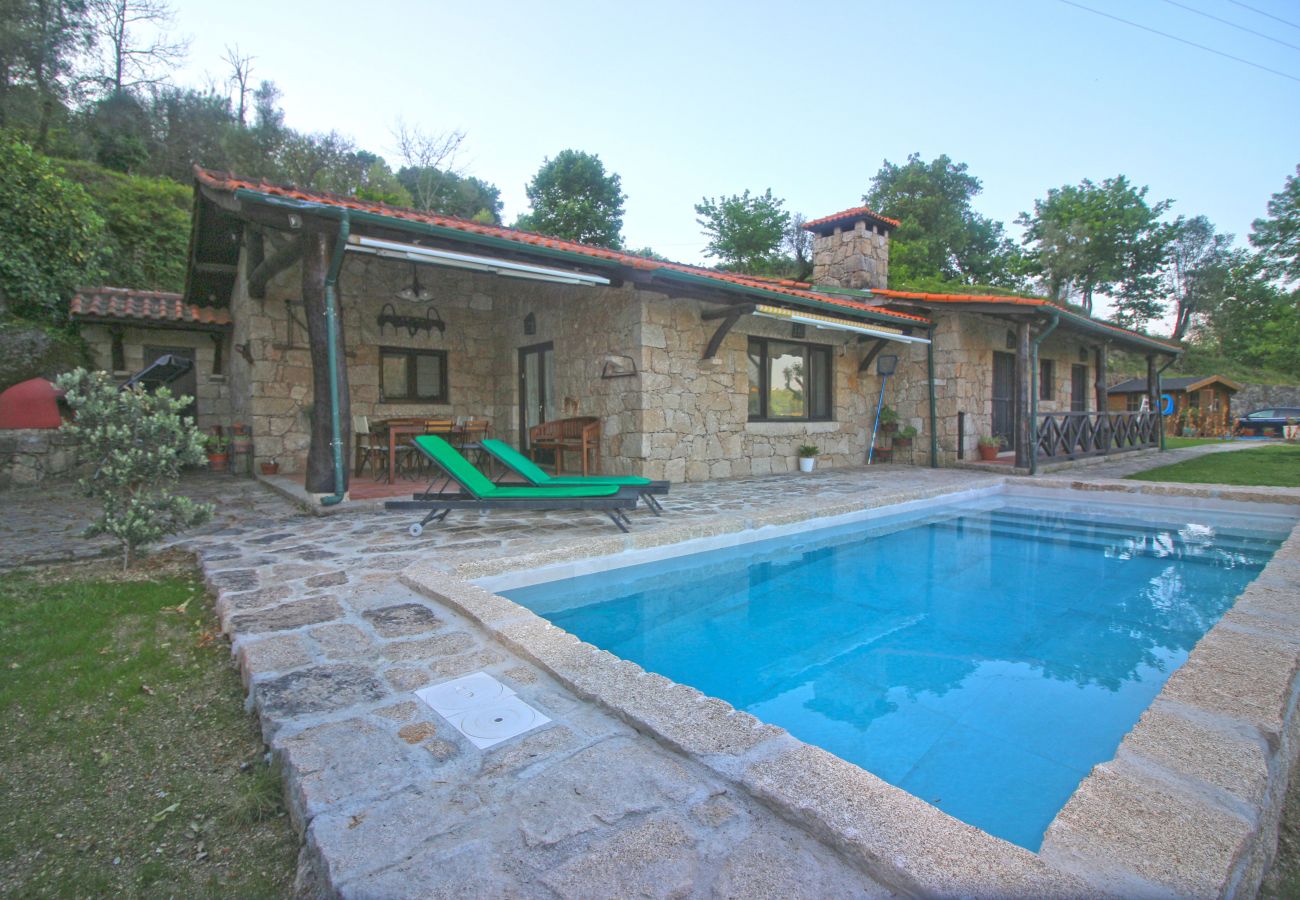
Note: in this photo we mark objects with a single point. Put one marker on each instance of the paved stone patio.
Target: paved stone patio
(393, 802)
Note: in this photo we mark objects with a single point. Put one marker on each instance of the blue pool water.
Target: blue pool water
(981, 656)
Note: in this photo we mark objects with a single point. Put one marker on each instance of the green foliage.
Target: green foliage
(808, 451)
(1255, 323)
(449, 194)
(147, 221)
(138, 443)
(51, 234)
(744, 232)
(940, 235)
(572, 198)
(1196, 277)
(1088, 238)
(1277, 466)
(37, 350)
(1278, 235)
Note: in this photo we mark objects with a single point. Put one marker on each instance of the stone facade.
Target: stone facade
(680, 417)
(964, 344)
(855, 256)
(212, 392)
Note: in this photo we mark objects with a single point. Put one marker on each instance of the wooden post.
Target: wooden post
(1103, 393)
(320, 458)
(1023, 429)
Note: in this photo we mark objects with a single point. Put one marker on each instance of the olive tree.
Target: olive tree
(137, 443)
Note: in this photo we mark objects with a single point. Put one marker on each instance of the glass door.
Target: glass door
(536, 388)
(1004, 398)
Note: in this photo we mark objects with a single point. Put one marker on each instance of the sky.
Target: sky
(686, 100)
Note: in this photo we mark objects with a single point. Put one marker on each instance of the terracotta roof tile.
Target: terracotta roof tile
(1011, 300)
(146, 306)
(847, 215)
(225, 182)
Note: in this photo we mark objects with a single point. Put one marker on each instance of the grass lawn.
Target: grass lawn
(130, 767)
(1178, 443)
(1277, 465)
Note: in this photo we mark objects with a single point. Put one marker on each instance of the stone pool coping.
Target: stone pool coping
(1189, 805)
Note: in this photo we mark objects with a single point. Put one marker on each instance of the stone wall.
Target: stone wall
(1259, 396)
(33, 455)
(964, 344)
(855, 257)
(212, 391)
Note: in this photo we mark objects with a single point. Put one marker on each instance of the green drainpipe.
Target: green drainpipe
(332, 345)
(934, 417)
(1159, 410)
(1033, 391)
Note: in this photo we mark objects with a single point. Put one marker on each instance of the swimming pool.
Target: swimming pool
(981, 655)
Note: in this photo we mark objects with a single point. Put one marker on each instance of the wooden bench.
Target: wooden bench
(580, 434)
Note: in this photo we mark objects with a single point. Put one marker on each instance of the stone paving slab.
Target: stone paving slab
(605, 801)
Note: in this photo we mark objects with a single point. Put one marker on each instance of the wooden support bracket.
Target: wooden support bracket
(729, 318)
(871, 355)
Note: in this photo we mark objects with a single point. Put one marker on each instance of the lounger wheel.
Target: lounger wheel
(416, 530)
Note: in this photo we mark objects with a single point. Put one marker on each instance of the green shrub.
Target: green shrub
(147, 225)
(138, 443)
(52, 235)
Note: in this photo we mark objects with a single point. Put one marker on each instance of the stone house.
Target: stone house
(126, 330)
(693, 373)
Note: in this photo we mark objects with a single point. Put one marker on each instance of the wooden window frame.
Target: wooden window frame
(764, 387)
(410, 354)
(1046, 379)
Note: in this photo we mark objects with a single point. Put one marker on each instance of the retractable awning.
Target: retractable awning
(832, 323)
(430, 256)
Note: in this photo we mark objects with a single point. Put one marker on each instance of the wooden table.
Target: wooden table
(397, 428)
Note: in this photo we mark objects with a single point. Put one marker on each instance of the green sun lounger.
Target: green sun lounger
(521, 465)
(478, 492)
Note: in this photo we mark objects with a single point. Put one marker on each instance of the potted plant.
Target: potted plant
(888, 420)
(270, 466)
(990, 445)
(218, 446)
(903, 438)
(808, 457)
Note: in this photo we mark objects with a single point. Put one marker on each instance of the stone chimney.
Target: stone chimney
(851, 249)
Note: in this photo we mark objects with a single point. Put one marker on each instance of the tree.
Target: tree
(939, 235)
(1196, 274)
(798, 244)
(744, 232)
(429, 159)
(573, 198)
(130, 60)
(1088, 238)
(241, 73)
(1278, 235)
(52, 235)
(452, 194)
(39, 43)
(137, 443)
(1253, 322)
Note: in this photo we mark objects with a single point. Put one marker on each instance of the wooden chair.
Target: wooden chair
(369, 447)
(580, 434)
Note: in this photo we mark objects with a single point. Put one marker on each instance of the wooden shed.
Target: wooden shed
(1202, 404)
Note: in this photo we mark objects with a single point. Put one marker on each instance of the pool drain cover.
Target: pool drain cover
(461, 694)
(491, 724)
(481, 708)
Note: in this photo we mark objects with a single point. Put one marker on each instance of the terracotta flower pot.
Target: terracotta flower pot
(989, 453)
(270, 468)
(218, 462)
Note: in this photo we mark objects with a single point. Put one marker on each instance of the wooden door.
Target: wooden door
(536, 388)
(1004, 398)
(1078, 388)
